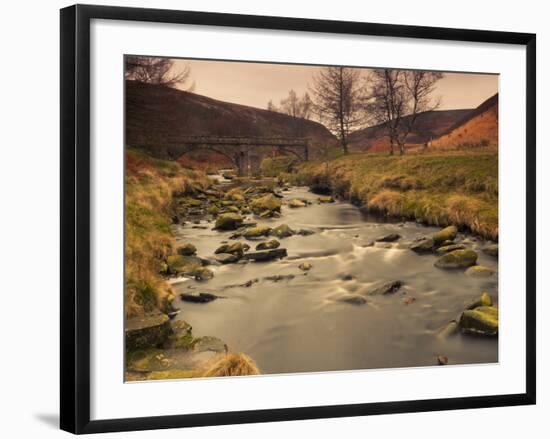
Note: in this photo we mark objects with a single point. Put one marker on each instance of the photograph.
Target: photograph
(297, 218)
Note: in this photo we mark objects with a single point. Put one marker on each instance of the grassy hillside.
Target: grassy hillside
(437, 188)
(479, 129)
(428, 125)
(154, 112)
(149, 185)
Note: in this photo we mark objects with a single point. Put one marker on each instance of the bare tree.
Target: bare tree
(159, 71)
(271, 106)
(397, 97)
(337, 98)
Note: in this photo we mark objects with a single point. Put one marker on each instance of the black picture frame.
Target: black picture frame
(75, 217)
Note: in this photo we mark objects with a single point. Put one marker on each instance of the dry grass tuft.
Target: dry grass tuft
(149, 186)
(232, 365)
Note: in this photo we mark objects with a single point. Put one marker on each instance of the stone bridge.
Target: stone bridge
(245, 153)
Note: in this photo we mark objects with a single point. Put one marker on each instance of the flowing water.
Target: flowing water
(297, 324)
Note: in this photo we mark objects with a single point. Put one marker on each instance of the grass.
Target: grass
(149, 186)
(440, 188)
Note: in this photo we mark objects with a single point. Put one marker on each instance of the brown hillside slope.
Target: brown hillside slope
(155, 112)
(478, 129)
(428, 125)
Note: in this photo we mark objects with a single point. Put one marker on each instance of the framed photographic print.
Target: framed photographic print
(284, 218)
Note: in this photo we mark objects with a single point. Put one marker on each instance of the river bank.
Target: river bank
(439, 189)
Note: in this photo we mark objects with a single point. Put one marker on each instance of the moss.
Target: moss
(172, 374)
(268, 203)
(457, 259)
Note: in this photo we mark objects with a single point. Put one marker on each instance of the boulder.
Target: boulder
(326, 199)
(305, 232)
(209, 343)
(482, 320)
(392, 237)
(457, 259)
(446, 234)
(387, 288)
(228, 221)
(268, 245)
(179, 264)
(182, 337)
(266, 255)
(424, 245)
(449, 248)
(213, 210)
(267, 203)
(282, 231)
(353, 299)
(203, 273)
(295, 203)
(148, 331)
(480, 271)
(234, 195)
(491, 250)
(186, 249)
(198, 298)
(227, 258)
(305, 266)
(484, 300)
(235, 248)
(256, 232)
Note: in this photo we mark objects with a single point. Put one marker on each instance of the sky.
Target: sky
(254, 84)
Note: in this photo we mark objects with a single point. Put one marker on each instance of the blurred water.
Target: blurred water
(298, 325)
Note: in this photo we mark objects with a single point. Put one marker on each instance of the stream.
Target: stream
(297, 324)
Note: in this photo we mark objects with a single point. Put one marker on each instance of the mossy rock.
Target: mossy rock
(446, 234)
(282, 231)
(256, 232)
(305, 266)
(268, 245)
(491, 250)
(449, 248)
(480, 271)
(268, 202)
(186, 249)
(295, 203)
(424, 245)
(146, 360)
(203, 273)
(191, 202)
(213, 210)
(179, 264)
(209, 344)
(236, 248)
(172, 374)
(326, 199)
(352, 299)
(227, 258)
(147, 331)
(457, 259)
(228, 221)
(180, 341)
(484, 300)
(235, 195)
(482, 320)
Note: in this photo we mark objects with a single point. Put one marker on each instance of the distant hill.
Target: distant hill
(155, 112)
(478, 128)
(428, 125)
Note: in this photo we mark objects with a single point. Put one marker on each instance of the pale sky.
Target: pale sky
(254, 84)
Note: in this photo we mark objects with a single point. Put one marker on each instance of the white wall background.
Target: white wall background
(29, 244)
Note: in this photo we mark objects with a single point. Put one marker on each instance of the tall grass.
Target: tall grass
(436, 188)
(149, 187)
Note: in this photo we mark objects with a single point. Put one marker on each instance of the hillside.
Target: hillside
(154, 112)
(428, 125)
(479, 128)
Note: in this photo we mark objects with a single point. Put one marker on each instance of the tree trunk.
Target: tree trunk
(402, 148)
